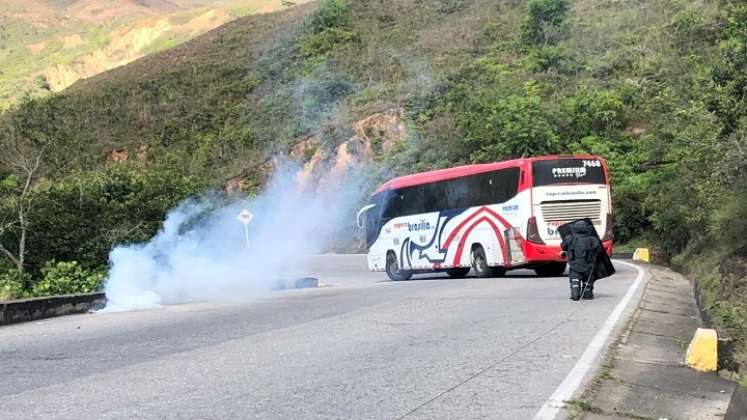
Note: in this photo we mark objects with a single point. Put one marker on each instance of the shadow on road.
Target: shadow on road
(443, 277)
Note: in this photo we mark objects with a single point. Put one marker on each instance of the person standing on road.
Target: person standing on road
(582, 248)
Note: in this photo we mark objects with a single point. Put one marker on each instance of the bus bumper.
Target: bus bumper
(551, 253)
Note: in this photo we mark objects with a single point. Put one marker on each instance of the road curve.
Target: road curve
(359, 348)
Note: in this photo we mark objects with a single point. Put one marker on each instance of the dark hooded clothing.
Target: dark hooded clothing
(582, 248)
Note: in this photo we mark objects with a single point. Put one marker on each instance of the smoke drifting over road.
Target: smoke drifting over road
(201, 251)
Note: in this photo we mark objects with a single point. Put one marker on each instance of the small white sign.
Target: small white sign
(245, 217)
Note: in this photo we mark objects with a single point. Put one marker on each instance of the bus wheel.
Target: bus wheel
(393, 271)
(458, 273)
(550, 269)
(480, 263)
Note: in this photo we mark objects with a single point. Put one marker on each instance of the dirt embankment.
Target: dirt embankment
(128, 44)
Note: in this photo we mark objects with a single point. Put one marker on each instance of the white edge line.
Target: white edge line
(568, 387)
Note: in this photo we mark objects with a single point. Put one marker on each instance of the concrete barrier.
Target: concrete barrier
(738, 405)
(642, 254)
(25, 310)
(702, 354)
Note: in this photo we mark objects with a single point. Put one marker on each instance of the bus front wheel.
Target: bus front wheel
(393, 270)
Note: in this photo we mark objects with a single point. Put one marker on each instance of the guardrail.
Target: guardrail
(622, 255)
(25, 310)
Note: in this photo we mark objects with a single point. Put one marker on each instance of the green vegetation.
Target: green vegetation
(657, 88)
(41, 38)
(13, 284)
(59, 278)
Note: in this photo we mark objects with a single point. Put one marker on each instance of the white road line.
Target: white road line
(568, 387)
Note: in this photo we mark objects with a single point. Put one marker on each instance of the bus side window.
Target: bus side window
(508, 180)
(434, 197)
(458, 193)
(405, 202)
(413, 202)
(394, 205)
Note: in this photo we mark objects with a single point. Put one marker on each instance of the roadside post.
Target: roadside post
(245, 217)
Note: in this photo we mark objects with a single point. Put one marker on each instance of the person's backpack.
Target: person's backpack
(583, 253)
(602, 265)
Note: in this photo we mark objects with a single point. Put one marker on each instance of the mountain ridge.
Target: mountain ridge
(45, 46)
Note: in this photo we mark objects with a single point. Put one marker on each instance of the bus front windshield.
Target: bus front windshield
(568, 171)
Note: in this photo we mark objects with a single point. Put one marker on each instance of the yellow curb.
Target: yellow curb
(642, 254)
(702, 354)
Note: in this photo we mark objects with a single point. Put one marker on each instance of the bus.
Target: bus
(489, 218)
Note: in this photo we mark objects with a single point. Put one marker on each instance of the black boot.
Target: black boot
(575, 289)
(588, 291)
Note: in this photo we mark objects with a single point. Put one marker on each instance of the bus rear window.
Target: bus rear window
(568, 171)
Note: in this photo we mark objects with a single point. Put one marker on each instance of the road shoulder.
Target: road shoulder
(643, 376)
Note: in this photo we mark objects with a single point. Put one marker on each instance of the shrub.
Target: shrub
(540, 59)
(63, 278)
(13, 284)
(319, 44)
(543, 23)
(330, 14)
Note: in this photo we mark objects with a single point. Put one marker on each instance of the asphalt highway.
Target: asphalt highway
(361, 347)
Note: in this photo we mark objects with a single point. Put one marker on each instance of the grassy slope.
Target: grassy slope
(248, 84)
(48, 28)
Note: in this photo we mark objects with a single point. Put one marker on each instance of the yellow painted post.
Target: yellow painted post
(702, 354)
(642, 254)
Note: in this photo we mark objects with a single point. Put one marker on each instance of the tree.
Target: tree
(21, 157)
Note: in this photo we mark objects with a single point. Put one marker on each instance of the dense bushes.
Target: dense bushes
(13, 284)
(79, 218)
(55, 278)
(60, 278)
(76, 221)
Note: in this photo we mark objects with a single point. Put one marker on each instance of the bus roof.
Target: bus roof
(466, 170)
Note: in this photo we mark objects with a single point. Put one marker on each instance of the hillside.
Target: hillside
(656, 87)
(45, 45)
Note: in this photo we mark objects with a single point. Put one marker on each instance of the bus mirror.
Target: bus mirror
(361, 212)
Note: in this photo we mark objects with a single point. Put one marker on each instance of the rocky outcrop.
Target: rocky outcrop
(117, 155)
(319, 164)
(382, 130)
(375, 134)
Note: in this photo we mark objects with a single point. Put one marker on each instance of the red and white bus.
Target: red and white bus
(488, 217)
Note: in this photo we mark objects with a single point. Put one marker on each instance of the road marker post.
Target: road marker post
(246, 217)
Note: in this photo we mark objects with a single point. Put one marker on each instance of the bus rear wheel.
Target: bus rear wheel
(458, 273)
(393, 270)
(480, 263)
(550, 269)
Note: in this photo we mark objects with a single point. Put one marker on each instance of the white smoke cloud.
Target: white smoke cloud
(201, 252)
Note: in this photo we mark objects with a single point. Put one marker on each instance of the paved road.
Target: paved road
(360, 348)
